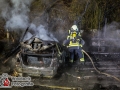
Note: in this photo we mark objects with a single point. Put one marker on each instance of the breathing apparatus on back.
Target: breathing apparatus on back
(73, 33)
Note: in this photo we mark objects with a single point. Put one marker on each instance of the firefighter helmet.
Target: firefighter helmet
(74, 28)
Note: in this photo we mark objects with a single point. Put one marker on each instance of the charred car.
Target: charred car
(41, 58)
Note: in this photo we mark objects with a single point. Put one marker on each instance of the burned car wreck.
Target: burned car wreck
(40, 58)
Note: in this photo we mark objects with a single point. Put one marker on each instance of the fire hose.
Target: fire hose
(109, 75)
(98, 70)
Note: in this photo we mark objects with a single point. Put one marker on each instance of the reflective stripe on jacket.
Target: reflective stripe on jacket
(74, 43)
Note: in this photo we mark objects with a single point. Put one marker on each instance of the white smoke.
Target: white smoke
(111, 30)
(16, 15)
(15, 12)
(16, 22)
(109, 37)
(27, 36)
(4, 9)
(40, 32)
(33, 27)
(44, 34)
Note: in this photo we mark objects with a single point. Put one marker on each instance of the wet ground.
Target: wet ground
(83, 77)
(86, 78)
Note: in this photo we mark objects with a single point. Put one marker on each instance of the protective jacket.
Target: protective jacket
(74, 43)
(74, 40)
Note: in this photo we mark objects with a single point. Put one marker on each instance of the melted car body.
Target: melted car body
(41, 58)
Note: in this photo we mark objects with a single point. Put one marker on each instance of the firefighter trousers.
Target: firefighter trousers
(78, 52)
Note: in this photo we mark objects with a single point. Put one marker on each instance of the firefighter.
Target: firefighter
(74, 44)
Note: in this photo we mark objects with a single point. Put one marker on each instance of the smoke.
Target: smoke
(4, 9)
(59, 28)
(109, 31)
(108, 38)
(16, 22)
(44, 34)
(112, 36)
(39, 32)
(60, 33)
(15, 13)
(27, 36)
(112, 30)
